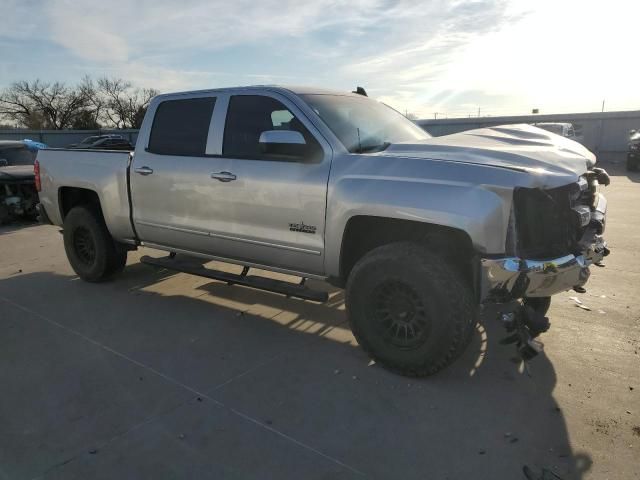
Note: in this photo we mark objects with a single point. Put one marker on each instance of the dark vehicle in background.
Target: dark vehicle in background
(88, 141)
(111, 144)
(633, 155)
(18, 194)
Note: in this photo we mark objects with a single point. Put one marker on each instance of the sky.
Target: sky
(429, 58)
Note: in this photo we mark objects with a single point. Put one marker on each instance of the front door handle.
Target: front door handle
(223, 176)
(143, 170)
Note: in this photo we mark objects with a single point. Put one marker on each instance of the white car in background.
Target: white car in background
(563, 129)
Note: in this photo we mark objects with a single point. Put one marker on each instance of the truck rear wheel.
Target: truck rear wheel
(409, 310)
(91, 250)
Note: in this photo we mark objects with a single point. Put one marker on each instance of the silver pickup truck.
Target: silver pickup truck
(420, 232)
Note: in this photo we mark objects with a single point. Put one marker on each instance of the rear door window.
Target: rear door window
(181, 127)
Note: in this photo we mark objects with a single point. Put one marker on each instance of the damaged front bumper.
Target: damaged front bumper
(507, 278)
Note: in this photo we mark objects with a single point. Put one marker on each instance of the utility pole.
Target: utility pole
(435, 116)
(478, 110)
(603, 106)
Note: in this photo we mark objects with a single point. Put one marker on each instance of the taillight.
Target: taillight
(36, 171)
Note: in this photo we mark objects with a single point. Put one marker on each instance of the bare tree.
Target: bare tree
(16, 106)
(109, 101)
(124, 106)
(40, 104)
(93, 112)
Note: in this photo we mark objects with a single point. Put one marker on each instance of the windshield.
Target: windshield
(362, 124)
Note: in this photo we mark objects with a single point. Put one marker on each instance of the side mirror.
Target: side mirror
(283, 142)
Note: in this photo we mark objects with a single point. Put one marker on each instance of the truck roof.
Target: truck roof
(564, 124)
(299, 90)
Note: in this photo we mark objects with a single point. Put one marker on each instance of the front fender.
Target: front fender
(479, 211)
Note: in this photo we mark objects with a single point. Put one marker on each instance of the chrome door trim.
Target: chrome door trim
(169, 227)
(216, 125)
(229, 237)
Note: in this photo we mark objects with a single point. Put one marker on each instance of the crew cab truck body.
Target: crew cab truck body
(420, 231)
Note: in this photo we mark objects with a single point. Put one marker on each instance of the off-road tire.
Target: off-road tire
(539, 304)
(438, 302)
(92, 252)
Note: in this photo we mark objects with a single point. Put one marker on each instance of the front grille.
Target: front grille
(545, 224)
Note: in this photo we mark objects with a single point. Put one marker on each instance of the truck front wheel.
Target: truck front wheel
(408, 309)
(91, 250)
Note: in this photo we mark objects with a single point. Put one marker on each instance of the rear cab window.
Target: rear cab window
(181, 127)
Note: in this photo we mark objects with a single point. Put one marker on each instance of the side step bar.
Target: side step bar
(253, 281)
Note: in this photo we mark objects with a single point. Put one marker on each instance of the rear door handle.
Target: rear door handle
(143, 170)
(223, 176)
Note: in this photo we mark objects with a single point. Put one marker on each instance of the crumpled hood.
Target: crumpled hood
(521, 147)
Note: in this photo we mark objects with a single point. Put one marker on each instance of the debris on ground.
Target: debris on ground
(545, 474)
(579, 303)
(337, 371)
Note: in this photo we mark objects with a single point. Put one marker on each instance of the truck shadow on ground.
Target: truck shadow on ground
(17, 225)
(291, 364)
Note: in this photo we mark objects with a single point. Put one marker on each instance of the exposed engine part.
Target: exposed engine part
(600, 175)
(523, 324)
(17, 200)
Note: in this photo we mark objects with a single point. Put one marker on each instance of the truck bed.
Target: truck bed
(104, 172)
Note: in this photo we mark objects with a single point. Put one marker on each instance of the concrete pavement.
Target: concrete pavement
(163, 375)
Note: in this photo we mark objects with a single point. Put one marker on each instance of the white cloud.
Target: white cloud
(86, 39)
(556, 56)
(504, 56)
